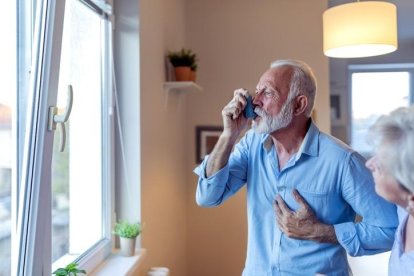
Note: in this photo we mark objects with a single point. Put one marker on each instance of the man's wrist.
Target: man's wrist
(325, 233)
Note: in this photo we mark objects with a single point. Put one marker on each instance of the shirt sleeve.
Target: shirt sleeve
(375, 233)
(213, 190)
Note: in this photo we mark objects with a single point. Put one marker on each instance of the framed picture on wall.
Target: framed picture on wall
(206, 139)
(337, 110)
(335, 107)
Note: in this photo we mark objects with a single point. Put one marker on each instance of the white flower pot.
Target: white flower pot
(127, 246)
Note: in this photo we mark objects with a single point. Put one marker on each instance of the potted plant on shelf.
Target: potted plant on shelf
(193, 70)
(70, 270)
(127, 233)
(182, 61)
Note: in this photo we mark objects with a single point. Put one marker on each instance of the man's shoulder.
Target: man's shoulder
(330, 143)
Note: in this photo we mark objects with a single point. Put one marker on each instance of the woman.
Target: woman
(393, 169)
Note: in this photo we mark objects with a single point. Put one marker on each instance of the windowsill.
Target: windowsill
(117, 264)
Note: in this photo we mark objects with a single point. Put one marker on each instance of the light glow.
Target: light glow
(360, 29)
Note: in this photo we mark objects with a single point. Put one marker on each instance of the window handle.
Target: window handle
(61, 119)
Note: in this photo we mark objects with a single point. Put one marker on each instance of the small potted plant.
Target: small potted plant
(193, 69)
(182, 61)
(70, 270)
(127, 233)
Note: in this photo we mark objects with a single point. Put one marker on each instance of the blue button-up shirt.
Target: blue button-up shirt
(334, 181)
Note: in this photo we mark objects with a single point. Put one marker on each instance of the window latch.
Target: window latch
(60, 119)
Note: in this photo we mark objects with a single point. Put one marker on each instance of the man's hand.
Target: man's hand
(234, 122)
(303, 223)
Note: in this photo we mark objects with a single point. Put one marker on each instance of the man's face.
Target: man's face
(272, 91)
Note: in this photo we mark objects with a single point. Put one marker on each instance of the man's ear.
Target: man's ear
(301, 104)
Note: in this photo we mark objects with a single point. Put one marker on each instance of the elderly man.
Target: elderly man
(304, 187)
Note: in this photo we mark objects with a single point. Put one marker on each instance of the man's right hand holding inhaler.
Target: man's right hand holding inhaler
(234, 123)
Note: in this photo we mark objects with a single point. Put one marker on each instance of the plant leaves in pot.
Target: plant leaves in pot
(127, 233)
(182, 61)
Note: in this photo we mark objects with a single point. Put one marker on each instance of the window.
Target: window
(9, 136)
(64, 211)
(79, 172)
(376, 90)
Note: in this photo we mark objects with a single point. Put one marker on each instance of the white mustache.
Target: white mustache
(260, 112)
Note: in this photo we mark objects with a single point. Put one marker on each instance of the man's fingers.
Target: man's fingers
(236, 106)
(277, 209)
(300, 200)
(233, 109)
(282, 205)
(241, 92)
(281, 226)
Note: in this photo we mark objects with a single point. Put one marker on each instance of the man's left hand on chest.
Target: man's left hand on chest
(302, 223)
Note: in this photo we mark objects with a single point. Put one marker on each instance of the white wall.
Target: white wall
(163, 152)
(153, 130)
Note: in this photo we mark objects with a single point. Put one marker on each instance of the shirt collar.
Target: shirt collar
(310, 143)
(267, 142)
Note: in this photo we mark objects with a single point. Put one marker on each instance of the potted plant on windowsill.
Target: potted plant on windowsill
(70, 270)
(183, 62)
(127, 233)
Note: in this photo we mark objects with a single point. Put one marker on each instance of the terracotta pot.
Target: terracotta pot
(193, 75)
(127, 246)
(182, 73)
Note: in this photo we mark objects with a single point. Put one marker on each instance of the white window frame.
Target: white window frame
(33, 245)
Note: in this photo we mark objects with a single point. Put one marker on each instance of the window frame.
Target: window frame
(376, 68)
(32, 253)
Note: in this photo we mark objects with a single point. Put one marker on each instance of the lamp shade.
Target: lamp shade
(360, 29)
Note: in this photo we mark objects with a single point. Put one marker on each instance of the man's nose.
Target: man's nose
(256, 99)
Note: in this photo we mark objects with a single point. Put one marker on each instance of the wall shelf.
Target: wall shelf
(182, 87)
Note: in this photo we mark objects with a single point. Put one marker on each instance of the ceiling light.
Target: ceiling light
(360, 29)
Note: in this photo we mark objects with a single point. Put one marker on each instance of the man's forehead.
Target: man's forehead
(274, 75)
(266, 83)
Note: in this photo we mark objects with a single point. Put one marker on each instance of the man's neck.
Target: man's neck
(288, 140)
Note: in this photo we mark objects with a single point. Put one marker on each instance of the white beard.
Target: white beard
(269, 124)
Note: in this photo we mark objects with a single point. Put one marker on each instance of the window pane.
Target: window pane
(8, 69)
(375, 94)
(6, 167)
(77, 172)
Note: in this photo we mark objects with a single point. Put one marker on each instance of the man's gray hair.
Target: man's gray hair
(303, 81)
(393, 136)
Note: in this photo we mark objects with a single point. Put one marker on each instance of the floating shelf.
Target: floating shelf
(182, 87)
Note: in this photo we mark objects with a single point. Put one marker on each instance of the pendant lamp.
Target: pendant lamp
(360, 29)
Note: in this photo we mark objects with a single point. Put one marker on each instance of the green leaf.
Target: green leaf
(127, 230)
(60, 272)
(70, 269)
(185, 57)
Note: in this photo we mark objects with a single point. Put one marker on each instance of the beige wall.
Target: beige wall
(164, 190)
(236, 40)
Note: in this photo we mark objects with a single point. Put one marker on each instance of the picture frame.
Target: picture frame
(335, 107)
(338, 112)
(206, 139)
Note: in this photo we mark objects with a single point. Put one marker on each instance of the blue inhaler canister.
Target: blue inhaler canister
(249, 110)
